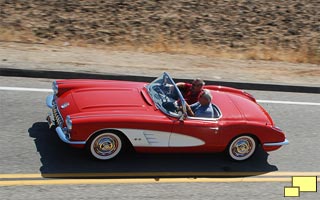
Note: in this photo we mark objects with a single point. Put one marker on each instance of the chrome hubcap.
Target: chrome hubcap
(106, 145)
(242, 147)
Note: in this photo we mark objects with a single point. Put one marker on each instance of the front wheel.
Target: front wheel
(242, 148)
(105, 146)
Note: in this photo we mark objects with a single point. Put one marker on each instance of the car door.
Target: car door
(196, 134)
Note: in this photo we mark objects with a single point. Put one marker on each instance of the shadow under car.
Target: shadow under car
(60, 160)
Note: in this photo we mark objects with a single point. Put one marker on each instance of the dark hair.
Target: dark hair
(200, 81)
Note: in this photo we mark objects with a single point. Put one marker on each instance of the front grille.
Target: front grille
(56, 114)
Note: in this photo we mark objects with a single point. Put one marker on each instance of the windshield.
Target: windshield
(166, 95)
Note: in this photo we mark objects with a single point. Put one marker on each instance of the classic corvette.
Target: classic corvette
(107, 117)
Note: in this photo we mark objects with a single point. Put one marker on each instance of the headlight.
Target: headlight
(68, 123)
(55, 87)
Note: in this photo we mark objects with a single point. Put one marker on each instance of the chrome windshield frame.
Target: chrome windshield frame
(165, 75)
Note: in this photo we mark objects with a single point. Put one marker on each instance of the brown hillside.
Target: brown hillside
(248, 29)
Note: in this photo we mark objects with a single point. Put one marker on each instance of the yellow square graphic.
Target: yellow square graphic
(306, 183)
(291, 191)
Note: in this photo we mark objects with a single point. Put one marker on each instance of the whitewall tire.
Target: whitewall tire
(242, 148)
(105, 145)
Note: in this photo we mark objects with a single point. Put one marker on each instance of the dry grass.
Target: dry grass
(302, 55)
(9, 35)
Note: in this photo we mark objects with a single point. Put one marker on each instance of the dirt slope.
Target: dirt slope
(247, 29)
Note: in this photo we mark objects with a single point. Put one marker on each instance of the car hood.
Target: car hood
(108, 99)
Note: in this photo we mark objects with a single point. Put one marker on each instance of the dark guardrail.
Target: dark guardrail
(81, 75)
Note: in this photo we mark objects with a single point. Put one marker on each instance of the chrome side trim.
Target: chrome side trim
(49, 101)
(285, 142)
(64, 138)
(204, 118)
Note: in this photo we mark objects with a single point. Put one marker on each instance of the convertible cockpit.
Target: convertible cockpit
(168, 98)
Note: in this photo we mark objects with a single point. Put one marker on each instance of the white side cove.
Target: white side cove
(179, 140)
(149, 138)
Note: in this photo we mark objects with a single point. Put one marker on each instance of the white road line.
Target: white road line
(25, 89)
(259, 101)
(289, 102)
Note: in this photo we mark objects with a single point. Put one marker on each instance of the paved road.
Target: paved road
(30, 152)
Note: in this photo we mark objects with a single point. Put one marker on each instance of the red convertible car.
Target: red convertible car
(106, 117)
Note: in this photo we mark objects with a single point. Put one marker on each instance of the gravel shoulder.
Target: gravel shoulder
(108, 61)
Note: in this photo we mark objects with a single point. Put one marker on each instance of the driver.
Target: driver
(191, 92)
(202, 108)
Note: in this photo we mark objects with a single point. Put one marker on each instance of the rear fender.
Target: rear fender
(231, 90)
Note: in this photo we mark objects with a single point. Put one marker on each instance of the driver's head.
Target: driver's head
(205, 98)
(197, 85)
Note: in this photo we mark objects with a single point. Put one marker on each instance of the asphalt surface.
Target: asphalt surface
(29, 147)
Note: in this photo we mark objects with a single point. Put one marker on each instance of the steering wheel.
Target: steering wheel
(161, 94)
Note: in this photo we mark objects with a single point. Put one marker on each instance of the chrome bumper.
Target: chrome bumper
(64, 138)
(49, 101)
(50, 118)
(285, 142)
(51, 121)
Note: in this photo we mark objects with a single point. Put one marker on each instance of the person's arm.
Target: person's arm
(189, 110)
(180, 84)
(184, 87)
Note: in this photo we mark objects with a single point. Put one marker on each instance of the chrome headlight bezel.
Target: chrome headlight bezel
(55, 87)
(69, 123)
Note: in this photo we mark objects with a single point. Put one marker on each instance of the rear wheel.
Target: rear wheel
(105, 145)
(242, 148)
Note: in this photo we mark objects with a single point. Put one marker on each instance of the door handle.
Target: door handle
(215, 129)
